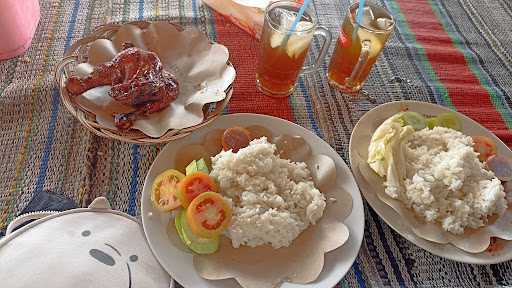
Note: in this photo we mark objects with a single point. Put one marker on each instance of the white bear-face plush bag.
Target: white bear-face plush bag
(86, 247)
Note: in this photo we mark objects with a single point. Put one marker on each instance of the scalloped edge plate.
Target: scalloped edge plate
(362, 133)
(179, 263)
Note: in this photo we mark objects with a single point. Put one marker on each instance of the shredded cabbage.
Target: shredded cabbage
(386, 153)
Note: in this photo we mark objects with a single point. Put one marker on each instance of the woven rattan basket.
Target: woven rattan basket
(78, 54)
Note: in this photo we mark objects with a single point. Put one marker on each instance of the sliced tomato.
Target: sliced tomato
(164, 190)
(484, 146)
(193, 185)
(209, 215)
(235, 138)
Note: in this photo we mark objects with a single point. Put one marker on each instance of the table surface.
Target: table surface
(455, 53)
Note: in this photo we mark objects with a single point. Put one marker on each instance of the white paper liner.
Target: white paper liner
(200, 67)
(303, 260)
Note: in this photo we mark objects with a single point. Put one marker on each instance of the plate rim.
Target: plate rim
(357, 199)
(452, 257)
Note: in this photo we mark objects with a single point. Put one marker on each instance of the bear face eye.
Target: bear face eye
(134, 258)
(86, 233)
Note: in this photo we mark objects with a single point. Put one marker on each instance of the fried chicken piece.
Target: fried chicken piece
(135, 93)
(130, 64)
(138, 80)
(148, 97)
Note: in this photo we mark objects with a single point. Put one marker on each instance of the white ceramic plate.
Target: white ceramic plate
(179, 263)
(358, 151)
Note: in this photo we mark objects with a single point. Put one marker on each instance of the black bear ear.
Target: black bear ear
(86, 233)
(134, 258)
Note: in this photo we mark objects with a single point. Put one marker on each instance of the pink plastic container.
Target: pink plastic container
(18, 22)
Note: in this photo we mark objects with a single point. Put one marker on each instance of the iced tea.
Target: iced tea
(282, 51)
(356, 52)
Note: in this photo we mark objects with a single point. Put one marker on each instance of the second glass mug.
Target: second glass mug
(282, 51)
(356, 51)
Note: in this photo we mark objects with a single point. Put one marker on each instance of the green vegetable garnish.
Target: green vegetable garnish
(201, 166)
(416, 120)
(432, 122)
(388, 137)
(195, 243)
(449, 120)
(197, 166)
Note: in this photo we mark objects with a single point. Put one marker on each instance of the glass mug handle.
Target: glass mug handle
(327, 37)
(361, 63)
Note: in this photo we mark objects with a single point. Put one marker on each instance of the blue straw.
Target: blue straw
(359, 17)
(296, 21)
(299, 16)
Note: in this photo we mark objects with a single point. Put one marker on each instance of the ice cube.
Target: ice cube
(382, 23)
(276, 39)
(300, 41)
(367, 16)
(375, 44)
(303, 25)
(284, 17)
(297, 41)
(296, 45)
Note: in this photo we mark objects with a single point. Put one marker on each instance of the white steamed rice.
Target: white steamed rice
(273, 199)
(446, 182)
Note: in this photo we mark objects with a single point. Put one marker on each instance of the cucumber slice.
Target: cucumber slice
(179, 228)
(432, 122)
(191, 168)
(449, 120)
(197, 166)
(416, 120)
(197, 244)
(201, 166)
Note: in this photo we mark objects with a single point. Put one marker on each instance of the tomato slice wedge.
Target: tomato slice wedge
(484, 146)
(209, 215)
(193, 185)
(235, 138)
(164, 190)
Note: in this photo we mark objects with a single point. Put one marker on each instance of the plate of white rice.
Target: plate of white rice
(278, 174)
(439, 164)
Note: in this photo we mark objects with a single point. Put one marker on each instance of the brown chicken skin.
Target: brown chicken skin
(137, 79)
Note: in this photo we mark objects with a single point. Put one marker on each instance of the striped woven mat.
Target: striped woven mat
(455, 53)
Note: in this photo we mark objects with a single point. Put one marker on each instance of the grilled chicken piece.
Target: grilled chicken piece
(137, 79)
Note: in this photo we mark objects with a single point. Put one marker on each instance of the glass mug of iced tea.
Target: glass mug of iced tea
(282, 51)
(356, 51)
